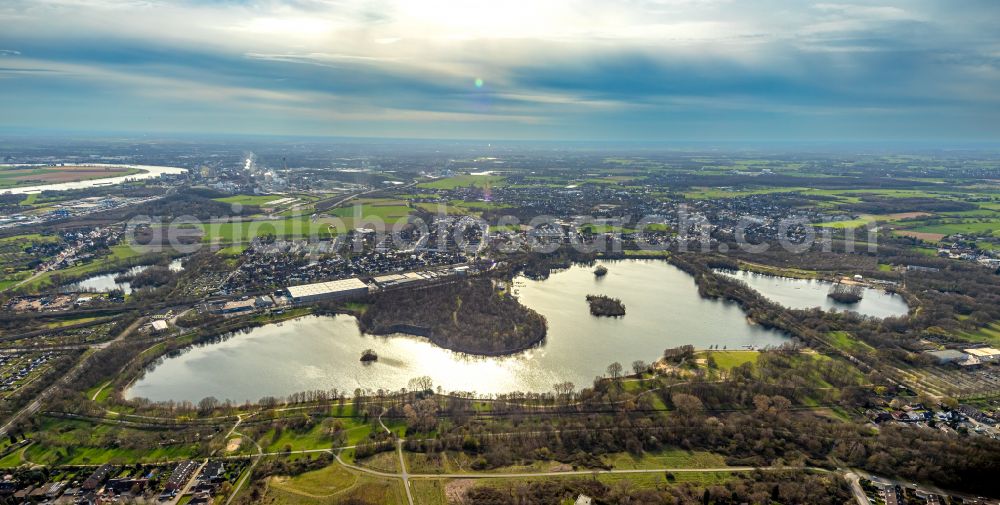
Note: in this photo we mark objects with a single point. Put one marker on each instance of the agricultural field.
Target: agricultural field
(980, 227)
(14, 176)
(870, 219)
(462, 181)
(712, 193)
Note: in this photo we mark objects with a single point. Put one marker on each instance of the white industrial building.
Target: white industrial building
(331, 290)
(984, 354)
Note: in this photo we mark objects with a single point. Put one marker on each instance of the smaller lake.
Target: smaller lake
(106, 282)
(810, 293)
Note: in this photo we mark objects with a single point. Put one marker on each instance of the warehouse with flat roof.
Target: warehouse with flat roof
(331, 290)
(984, 353)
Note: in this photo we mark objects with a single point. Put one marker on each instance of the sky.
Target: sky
(646, 70)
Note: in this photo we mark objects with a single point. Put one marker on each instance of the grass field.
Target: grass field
(318, 483)
(249, 199)
(976, 227)
(70, 442)
(989, 334)
(245, 231)
(438, 208)
(727, 360)
(635, 481)
(334, 485)
(388, 210)
(430, 492)
(669, 458)
(844, 340)
(461, 181)
(314, 438)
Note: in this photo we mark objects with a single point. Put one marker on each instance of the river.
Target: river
(149, 172)
(663, 310)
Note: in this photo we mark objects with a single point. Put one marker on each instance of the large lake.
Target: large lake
(809, 293)
(148, 172)
(663, 310)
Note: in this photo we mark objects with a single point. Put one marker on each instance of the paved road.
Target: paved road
(243, 480)
(190, 483)
(497, 475)
(859, 494)
(402, 461)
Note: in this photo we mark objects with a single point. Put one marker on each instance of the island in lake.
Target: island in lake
(601, 271)
(846, 293)
(601, 305)
(469, 316)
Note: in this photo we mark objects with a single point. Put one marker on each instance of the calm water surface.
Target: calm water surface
(664, 310)
(149, 172)
(809, 293)
(106, 282)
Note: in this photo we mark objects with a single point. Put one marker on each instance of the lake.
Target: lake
(149, 172)
(106, 282)
(809, 293)
(663, 310)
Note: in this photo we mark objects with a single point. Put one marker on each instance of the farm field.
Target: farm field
(460, 181)
(867, 219)
(987, 227)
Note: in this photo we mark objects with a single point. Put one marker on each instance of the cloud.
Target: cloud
(562, 67)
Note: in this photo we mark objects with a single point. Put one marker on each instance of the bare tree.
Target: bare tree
(615, 370)
(422, 383)
(639, 366)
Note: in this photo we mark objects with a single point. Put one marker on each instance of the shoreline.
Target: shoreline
(146, 172)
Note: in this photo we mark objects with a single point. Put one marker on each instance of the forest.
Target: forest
(467, 316)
